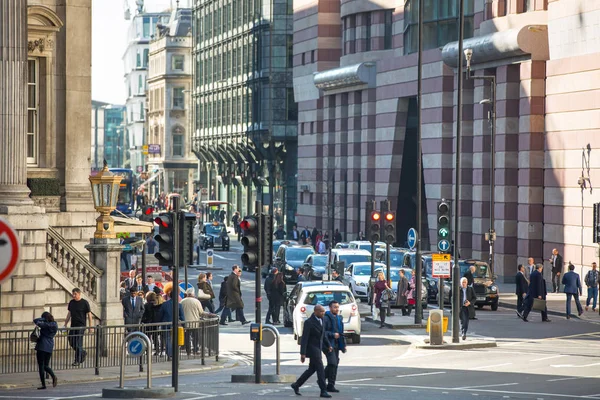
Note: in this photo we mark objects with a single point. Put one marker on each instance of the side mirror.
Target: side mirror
(347, 273)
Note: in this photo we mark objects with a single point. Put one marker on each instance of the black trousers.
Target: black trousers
(208, 304)
(275, 310)
(382, 314)
(333, 360)
(464, 319)
(43, 359)
(315, 365)
(76, 342)
(555, 282)
(520, 303)
(528, 304)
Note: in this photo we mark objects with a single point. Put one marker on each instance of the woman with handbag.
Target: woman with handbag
(379, 288)
(410, 295)
(205, 293)
(45, 345)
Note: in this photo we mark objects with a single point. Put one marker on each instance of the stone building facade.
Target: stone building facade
(355, 79)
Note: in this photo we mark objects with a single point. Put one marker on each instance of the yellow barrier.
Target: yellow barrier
(180, 336)
(444, 325)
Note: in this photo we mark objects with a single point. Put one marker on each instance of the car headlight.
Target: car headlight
(289, 267)
(361, 284)
(493, 289)
(226, 238)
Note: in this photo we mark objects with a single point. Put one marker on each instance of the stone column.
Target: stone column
(106, 255)
(13, 104)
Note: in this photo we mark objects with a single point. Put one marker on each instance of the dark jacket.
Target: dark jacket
(331, 324)
(132, 315)
(313, 338)
(572, 282)
(151, 313)
(557, 266)
(223, 292)
(206, 288)
(234, 292)
(47, 332)
(269, 285)
(166, 311)
(277, 293)
(470, 296)
(536, 285)
(469, 276)
(521, 284)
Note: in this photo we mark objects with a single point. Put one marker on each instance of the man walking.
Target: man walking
(572, 289)
(592, 278)
(312, 343)
(529, 268)
(557, 266)
(521, 288)
(467, 301)
(536, 289)
(133, 309)
(334, 330)
(234, 297)
(470, 281)
(79, 309)
(268, 287)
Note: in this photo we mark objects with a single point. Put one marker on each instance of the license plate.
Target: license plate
(480, 298)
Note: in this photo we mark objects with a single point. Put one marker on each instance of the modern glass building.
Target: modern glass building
(245, 116)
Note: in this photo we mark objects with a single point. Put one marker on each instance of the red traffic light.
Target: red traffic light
(389, 216)
(163, 220)
(248, 224)
(149, 211)
(375, 216)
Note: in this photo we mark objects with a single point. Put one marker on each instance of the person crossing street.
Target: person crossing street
(334, 330)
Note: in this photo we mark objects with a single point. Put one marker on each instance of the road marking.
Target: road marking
(574, 366)
(356, 380)
(209, 396)
(423, 374)
(74, 397)
(484, 386)
(489, 366)
(548, 358)
(566, 379)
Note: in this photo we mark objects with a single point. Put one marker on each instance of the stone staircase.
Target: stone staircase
(70, 269)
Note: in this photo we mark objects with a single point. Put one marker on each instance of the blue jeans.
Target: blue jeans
(592, 293)
(577, 303)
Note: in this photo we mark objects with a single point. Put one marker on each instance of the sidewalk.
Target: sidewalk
(396, 321)
(73, 376)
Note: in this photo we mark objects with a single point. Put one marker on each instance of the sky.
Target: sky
(109, 39)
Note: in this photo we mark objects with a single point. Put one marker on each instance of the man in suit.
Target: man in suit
(572, 289)
(521, 288)
(592, 278)
(529, 268)
(470, 281)
(130, 282)
(467, 301)
(133, 309)
(234, 297)
(537, 289)
(312, 343)
(334, 331)
(305, 235)
(557, 267)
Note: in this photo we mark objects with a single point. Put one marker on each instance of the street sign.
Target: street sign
(136, 346)
(9, 250)
(443, 232)
(444, 245)
(184, 288)
(411, 238)
(440, 265)
(209, 257)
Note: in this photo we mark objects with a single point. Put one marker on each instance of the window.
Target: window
(290, 51)
(303, 58)
(145, 58)
(178, 98)
(368, 30)
(313, 56)
(440, 23)
(387, 32)
(178, 146)
(146, 27)
(292, 106)
(177, 62)
(32, 110)
(138, 59)
(140, 84)
(141, 111)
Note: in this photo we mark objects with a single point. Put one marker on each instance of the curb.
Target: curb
(456, 346)
(138, 375)
(550, 312)
(397, 326)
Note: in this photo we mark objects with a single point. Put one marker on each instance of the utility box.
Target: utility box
(435, 325)
(255, 332)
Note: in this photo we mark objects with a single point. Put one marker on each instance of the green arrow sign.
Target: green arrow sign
(443, 232)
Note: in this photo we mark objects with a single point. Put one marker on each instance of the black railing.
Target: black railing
(102, 346)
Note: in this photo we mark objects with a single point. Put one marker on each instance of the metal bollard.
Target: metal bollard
(277, 347)
(148, 358)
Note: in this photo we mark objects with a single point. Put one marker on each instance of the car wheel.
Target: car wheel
(355, 339)
(479, 306)
(288, 324)
(494, 306)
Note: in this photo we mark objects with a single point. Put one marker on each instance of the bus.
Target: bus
(126, 199)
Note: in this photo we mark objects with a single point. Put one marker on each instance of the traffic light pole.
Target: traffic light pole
(418, 261)
(144, 258)
(257, 295)
(175, 298)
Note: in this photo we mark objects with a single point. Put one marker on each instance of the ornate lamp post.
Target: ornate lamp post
(105, 189)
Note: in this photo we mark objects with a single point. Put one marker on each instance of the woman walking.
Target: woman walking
(45, 346)
(207, 291)
(383, 304)
(410, 295)
(277, 296)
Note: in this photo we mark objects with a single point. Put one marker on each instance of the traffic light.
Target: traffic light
(390, 227)
(443, 226)
(596, 227)
(165, 239)
(267, 239)
(186, 238)
(147, 214)
(375, 227)
(250, 234)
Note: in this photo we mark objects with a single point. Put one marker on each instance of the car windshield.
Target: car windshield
(481, 270)
(297, 254)
(362, 270)
(366, 246)
(320, 261)
(427, 264)
(395, 273)
(396, 259)
(325, 297)
(352, 258)
(214, 229)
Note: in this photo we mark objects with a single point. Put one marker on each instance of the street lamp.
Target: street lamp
(105, 189)
(490, 235)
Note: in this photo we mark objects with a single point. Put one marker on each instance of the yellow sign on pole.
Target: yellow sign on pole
(440, 257)
(145, 149)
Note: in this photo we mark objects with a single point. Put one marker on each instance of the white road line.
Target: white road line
(549, 358)
(356, 380)
(489, 366)
(484, 386)
(75, 397)
(574, 366)
(209, 396)
(423, 374)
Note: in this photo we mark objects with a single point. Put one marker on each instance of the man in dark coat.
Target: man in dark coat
(305, 235)
(557, 267)
(521, 288)
(312, 342)
(572, 284)
(334, 331)
(337, 237)
(467, 301)
(234, 297)
(313, 237)
(133, 309)
(537, 289)
(268, 288)
(470, 281)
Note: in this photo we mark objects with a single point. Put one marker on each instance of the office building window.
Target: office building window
(141, 111)
(177, 61)
(32, 110)
(140, 84)
(138, 59)
(440, 23)
(178, 98)
(178, 145)
(146, 27)
(368, 31)
(292, 106)
(290, 51)
(387, 29)
(145, 58)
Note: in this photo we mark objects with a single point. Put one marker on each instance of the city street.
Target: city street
(535, 360)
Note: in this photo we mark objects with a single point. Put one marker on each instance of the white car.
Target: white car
(349, 256)
(364, 245)
(358, 275)
(303, 298)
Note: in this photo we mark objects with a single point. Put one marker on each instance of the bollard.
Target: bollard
(148, 358)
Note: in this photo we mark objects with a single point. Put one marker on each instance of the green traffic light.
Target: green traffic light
(443, 232)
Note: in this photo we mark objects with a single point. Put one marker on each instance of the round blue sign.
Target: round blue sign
(184, 288)
(444, 245)
(136, 346)
(411, 238)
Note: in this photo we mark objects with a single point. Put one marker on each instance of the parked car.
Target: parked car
(289, 258)
(342, 245)
(212, 235)
(301, 301)
(364, 245)
(315, 267)
(484, 283)
(358, 275)
(347, 257)
(276, 244)
(396, 255)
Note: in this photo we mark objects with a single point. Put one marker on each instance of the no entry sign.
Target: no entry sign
(9, 250)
